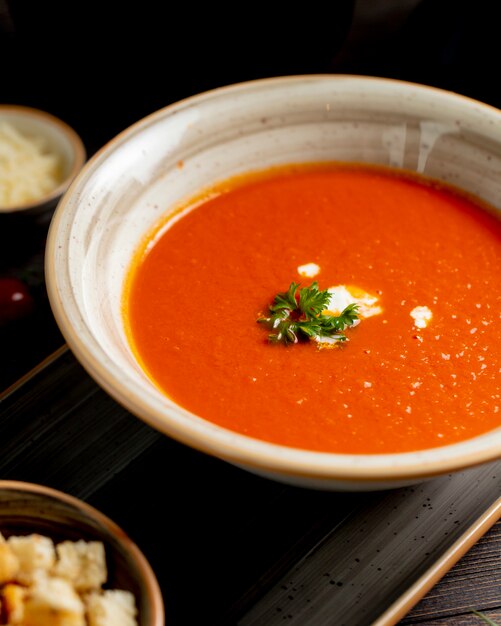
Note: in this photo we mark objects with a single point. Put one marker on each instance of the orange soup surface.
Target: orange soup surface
(402, 382)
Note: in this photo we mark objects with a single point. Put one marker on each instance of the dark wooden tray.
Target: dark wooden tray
(229, 547)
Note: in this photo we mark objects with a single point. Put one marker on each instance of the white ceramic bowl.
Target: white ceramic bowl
(59, 139)
(122, 192)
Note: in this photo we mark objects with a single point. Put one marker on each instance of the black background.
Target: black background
(102, 65)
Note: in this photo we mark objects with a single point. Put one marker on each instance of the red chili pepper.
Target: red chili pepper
(15, 300)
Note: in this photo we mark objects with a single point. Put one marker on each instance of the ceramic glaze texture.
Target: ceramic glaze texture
(146, 173)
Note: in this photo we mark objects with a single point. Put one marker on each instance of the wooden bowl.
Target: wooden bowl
(27, 508)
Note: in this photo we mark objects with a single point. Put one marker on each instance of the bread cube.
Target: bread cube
(35, 554)
(13, 603)
(9, 564)
(111, 608)
(83, 563)
(53, 602)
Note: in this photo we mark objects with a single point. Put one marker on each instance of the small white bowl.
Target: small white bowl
(59, 138)
(122, 192)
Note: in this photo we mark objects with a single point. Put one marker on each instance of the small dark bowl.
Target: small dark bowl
(26, 508)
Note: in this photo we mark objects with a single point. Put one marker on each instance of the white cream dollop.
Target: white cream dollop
(342, 296)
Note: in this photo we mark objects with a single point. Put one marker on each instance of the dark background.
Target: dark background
(102, 65)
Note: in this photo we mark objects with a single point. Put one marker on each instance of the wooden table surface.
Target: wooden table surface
(475, 581)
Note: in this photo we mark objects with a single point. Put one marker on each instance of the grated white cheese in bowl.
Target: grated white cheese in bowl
(28, 170)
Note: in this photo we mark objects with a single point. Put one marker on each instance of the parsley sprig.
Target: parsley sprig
(294, 316)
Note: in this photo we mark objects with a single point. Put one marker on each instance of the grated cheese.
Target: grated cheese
(28, 171)
(421, 316)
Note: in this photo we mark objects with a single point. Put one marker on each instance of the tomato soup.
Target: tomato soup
(420, 372)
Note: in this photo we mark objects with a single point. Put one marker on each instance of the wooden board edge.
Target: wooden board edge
(33, 372)
(394, 613)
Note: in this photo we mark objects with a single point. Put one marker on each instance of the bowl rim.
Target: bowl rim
(77, 146)
(154, 595)
(239, 449)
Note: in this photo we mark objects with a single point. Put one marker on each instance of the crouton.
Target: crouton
(53, 602)
(13, 603)
(35, 553)
(38, 589)
(9, 564)
(111, 608)
(83, 563)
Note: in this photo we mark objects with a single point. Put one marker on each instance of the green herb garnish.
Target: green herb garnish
(300, 316)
